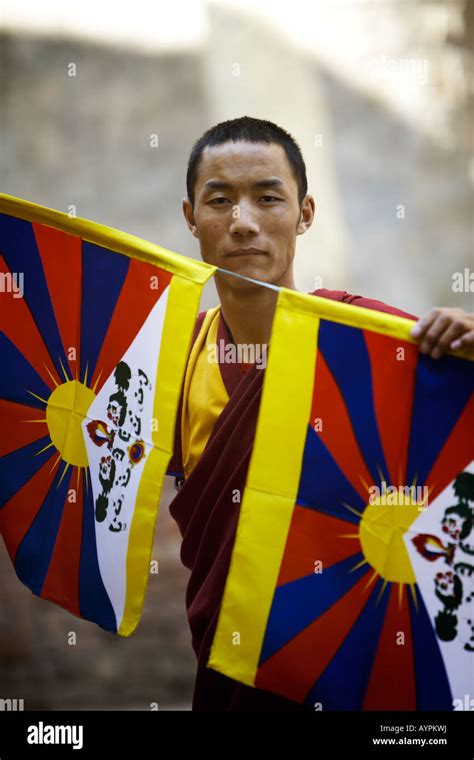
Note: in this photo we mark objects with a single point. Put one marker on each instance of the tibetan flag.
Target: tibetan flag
(351, 584)
(95, 327)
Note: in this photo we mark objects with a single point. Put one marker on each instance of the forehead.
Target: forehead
(244, 162)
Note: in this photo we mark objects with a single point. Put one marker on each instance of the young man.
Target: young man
(247, 203)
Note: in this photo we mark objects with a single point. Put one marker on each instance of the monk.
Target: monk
(247, 201)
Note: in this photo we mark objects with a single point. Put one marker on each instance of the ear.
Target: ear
(307, 213)
(189, 216)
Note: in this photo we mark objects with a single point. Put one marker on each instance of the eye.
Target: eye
(270, 198)
(221, 198)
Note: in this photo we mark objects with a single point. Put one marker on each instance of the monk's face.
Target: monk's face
(246, 212)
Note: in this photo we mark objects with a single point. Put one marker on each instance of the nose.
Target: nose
(244, 220)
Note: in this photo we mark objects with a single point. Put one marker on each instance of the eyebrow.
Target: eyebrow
(216, 184)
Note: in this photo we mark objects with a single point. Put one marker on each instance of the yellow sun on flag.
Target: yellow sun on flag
(66, 409)
(383, 524)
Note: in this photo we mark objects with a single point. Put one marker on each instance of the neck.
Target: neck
(248, 311)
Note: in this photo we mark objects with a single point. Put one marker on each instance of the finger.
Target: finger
(465, 341)
(418, 330)
(434, 332)
(444, 340)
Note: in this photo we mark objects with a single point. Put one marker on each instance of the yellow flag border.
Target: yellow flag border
(180, 319)
(272, 481)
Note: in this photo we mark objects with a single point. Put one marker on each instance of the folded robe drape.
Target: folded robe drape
(206, 510)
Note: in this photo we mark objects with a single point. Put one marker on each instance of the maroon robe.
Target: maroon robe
(207, 519)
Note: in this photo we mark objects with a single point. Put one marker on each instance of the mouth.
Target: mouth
(237, 252)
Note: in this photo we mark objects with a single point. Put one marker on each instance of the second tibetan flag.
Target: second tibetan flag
(351, 578)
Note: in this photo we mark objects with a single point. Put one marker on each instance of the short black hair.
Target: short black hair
(251, 130)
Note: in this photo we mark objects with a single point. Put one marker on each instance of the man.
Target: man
(247, 202)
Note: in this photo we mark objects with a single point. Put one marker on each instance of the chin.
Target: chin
(236, 283)
(250, 269)
(257, 273)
